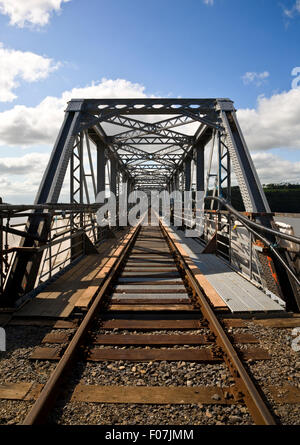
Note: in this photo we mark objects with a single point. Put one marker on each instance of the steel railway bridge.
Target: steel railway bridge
(144, 145)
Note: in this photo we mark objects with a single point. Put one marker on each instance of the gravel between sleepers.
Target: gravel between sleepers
(16, 367)
(283, 368)
(121, 414)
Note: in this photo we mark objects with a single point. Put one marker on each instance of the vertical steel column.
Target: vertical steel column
(81, 168)
(123, 199)
(129, 187)
(113, 182)
(188, 207)
(72, 195)
(228, 177)
(118, 182)
(200, 167)
(113, 176)
(81, 174)
(172, 184)
(220, 193)
(176, 180)
(101, 171)
(251, 190)
(77, 194)
(224, 173)
(187, 175)
(199, 170)
(101, 163)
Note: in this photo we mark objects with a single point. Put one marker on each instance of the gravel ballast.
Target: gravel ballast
(282, 369)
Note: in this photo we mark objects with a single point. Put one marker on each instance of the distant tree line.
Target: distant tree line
(281, 197)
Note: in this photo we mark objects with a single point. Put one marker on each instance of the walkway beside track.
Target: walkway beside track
(239, 294)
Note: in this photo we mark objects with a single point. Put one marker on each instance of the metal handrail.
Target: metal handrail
(247, 223)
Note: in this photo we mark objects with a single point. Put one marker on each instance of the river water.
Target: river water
(292, 221)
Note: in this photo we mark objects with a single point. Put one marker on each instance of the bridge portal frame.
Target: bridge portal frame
(170, 157)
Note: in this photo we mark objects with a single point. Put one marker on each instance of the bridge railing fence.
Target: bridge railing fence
(233, 242)
(70, 236)
(243, 241)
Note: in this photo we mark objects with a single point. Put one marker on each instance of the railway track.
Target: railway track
(150, 309)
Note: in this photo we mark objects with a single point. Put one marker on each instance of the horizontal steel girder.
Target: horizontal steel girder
(151, 140)
(140, 128)
(142, 105)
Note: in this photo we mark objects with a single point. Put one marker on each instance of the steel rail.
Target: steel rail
(246, 388)
(39, 411)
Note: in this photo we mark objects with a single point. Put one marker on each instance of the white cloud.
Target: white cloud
(24, 126)
(209, 2)
(27, 66)
(30, 12)
(274, 123)
(293, 11)
(20, 177)
(272, 168)
(256, 78)
(29, 163)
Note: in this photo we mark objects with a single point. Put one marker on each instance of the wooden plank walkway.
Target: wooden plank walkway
(222, 285)
(76, 287)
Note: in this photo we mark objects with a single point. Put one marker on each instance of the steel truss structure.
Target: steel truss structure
(145, 143)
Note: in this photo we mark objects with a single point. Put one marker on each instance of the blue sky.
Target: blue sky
(241, 49)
